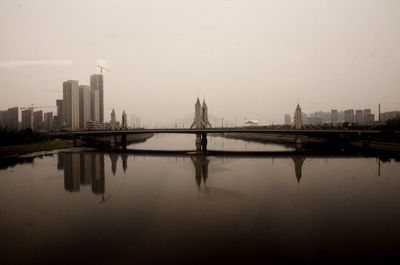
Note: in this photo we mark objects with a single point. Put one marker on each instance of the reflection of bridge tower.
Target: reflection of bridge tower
(201, 165)
(114, 160)
(298, 166)
(124, 157)
(200, 122)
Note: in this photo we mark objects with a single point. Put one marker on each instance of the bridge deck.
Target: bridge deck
(216, 130)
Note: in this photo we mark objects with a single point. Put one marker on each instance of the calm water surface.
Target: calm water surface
(112, 208)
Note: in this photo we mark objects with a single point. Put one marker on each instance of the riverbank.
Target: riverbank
(48, 145)
(20, 149)
(285, 139)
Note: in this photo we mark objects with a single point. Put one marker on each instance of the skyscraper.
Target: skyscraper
(58, 119)
(84, 105)
(27, 118)
(359, 117)
(71, 104)
(2, 119)
(38, 120)
(12, 118)
(96, 98)
(349, 115)
(48, 121)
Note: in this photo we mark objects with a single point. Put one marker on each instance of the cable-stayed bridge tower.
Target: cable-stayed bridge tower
(201, 122)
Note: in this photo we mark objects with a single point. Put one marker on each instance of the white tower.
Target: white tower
(197, 115)
(113, 122)
(200, 115)
(204, 116)
(298, 121)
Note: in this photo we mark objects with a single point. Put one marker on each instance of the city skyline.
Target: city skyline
(257, 61)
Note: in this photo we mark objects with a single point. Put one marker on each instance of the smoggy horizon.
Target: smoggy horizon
(248, 59)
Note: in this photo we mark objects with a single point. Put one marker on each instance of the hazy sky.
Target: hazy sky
(248, 58)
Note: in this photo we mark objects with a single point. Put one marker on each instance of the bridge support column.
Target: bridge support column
(299, 142)
(123, 141)
(75, 142)
(114, 142)
(204, 142)
(198, 142)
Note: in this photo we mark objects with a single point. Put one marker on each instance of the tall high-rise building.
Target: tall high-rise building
(359, 117)
(349, 115)
(58, 119)
(48, 121)
(38, 120)
(84, 105)
(2, 119)
(12, 118)
(71, 104)
(27, 118)
(367, 116)
(97, 98)
(334, 115)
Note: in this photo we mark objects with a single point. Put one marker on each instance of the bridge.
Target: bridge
(201, 126)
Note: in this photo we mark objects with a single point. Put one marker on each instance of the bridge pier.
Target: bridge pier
(123, 141)
(299, 142)
(204, 142)
(198, 142)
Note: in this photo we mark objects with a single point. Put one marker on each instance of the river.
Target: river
(91, 207)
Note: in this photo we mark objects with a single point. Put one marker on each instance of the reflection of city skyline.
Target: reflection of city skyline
(87, 168)
(83, 169)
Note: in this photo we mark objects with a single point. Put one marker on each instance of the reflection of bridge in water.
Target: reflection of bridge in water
(88, 168)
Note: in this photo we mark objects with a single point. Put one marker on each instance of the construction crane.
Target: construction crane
(54, 91)
(102, 68)
(37, 107)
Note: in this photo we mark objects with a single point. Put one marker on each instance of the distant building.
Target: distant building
(38, 120)
(71, 104)
(2, 119)
(288, 118)
(124, 121)
(113, 121)
(314, 120)
(84, 105)
(11, 118)
(59, 118)
(27, 118)
(334, 116)
(251, 123)
(367, 113)
(349, 115)
(48, 121)
(385, 116)
(96, 98)
(94, 125)
(359, 117)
